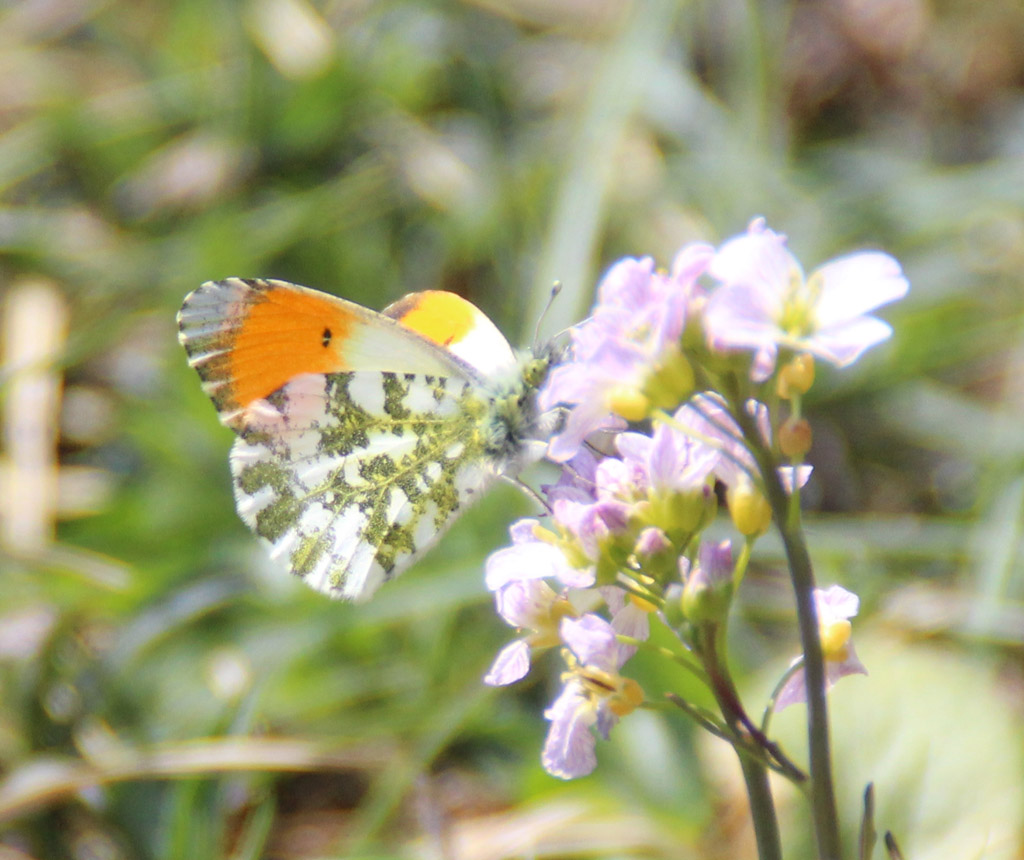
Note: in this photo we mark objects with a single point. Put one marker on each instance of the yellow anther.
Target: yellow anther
(835, 640)
(640, 603)
(544, 535)
(547, 634)
(629, 697)
(623, 695)
(628, 402)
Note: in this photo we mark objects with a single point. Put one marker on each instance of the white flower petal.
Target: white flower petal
(606, 720)
(794, 690)
(835, 603)
(569, 748)
(589, 416)
(850, 666)
(576, 577)
(763, 364)
(522, 561)
(592, 640)
(524, 530)
(794, 477)
(511, 664)
(525, 603)
(741, 316)
(634, 622)
(627, 282)
(853, 285)
(843, 344)
(691, 261)
(758, 260)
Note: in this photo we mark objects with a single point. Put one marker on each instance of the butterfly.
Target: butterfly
(361, 436)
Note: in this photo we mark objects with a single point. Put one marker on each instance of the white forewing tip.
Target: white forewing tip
(196, 360)
(204, 325)
(485, 348)
(209, 299)
(228, 419)
(234, 283)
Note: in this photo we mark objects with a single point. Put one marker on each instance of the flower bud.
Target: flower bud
(672, 381)
(796, 376)
(749, 510)
(655, 553)
(629, 402)
(705, 599)
(676, 511)
(673, 610)
(716, 561)
(795, 438)
(652, 541)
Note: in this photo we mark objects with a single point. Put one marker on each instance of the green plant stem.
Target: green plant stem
(762, 809)
(713, 651)
(823, 799)
(773, 698)
(701, 717)
(787, 518)
(740, 568)
(755, 774)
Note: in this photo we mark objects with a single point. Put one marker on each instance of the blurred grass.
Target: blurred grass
(489, 148)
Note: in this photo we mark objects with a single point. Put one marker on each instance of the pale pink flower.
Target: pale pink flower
(835, 607)
(595, 696)
(765, 303)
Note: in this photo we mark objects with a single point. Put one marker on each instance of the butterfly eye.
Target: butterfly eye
(535, 371)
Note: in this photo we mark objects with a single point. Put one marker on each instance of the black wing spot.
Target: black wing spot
(326, 337)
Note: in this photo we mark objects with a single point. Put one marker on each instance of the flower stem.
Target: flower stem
(679, 659)
(822, 790)
(769, 708)
(712, 648)
(755, 774)
(823, 800)
(762, 809)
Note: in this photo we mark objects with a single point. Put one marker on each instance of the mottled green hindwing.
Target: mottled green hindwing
(351, 476)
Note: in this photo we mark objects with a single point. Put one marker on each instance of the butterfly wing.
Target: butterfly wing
(352, 476)
(347, 463)
(247, 338)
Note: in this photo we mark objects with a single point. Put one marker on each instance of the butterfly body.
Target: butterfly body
(361, 435)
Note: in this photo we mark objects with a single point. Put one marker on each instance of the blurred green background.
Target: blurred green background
(164, 693)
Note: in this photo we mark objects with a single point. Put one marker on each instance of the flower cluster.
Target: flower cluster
(665, 394)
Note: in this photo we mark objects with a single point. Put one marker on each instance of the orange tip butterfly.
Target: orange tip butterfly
(361, 436)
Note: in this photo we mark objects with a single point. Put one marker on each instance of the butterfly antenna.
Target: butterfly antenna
(527, 491)
(569, 328)
(556, 288)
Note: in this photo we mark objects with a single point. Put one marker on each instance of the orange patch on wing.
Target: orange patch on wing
(284, 333)
(442, 317)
